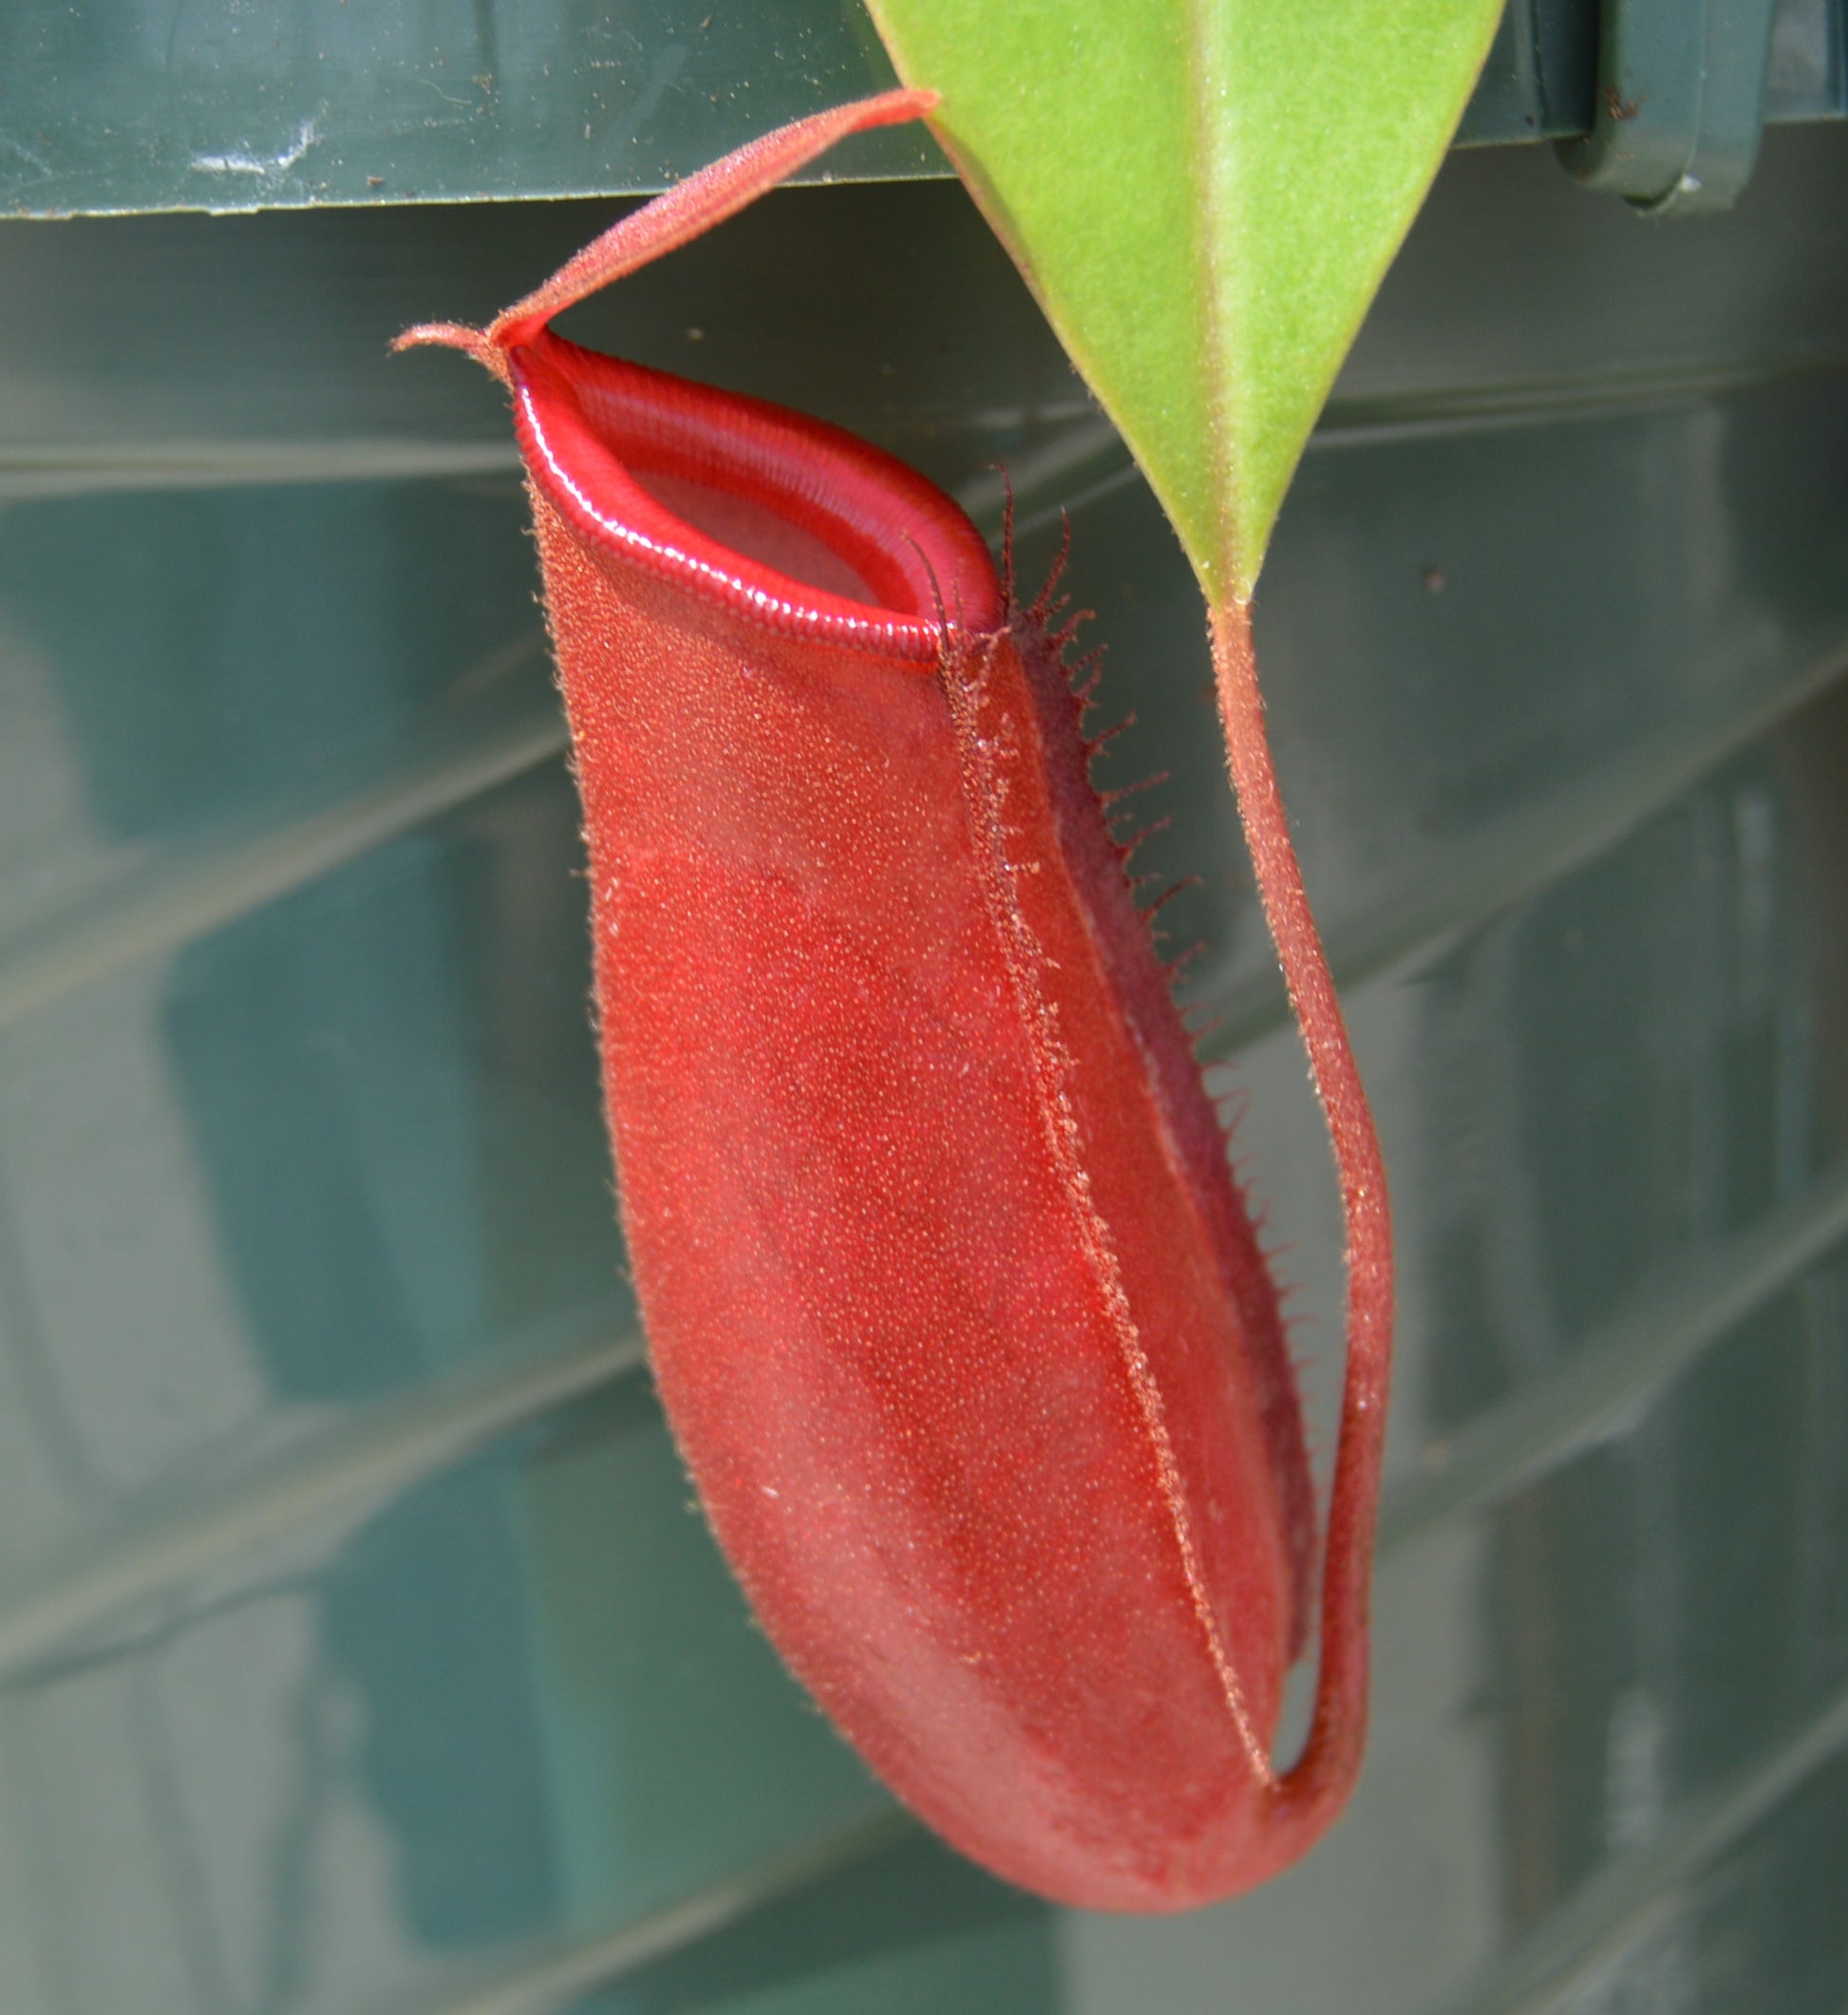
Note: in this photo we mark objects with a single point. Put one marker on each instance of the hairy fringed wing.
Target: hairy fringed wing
(955, 1309)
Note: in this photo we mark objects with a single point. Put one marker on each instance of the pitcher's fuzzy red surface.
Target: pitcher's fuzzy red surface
(958, 1318)
(955, 1310)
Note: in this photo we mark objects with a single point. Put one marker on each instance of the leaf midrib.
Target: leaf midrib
(1202, 79)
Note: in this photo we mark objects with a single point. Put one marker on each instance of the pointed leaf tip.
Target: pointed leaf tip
(1204, 195)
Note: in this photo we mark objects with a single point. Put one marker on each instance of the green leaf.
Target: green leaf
(1204, 195)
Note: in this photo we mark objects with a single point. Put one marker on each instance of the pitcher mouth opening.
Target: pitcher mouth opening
(787, 521)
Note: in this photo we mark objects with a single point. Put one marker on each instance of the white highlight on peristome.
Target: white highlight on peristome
(778, 610)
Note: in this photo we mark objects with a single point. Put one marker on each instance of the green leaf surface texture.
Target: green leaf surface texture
(1204, 196)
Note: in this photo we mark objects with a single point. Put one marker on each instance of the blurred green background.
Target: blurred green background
(360, 1650)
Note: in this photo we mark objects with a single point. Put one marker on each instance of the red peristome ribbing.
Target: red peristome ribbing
(595, 430)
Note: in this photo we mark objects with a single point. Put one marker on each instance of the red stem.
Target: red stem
(687, 211)
(692, 207)
(1312, 1792)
